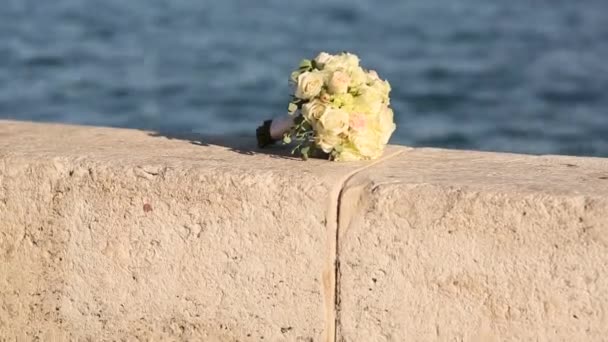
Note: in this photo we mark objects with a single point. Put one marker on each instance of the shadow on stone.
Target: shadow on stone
(245, 145)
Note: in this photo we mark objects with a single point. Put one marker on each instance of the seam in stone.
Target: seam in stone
(337, 199)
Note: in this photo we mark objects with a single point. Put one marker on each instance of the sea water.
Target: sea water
(520, 75)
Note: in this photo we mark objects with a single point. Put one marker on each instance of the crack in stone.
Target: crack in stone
(333, 225)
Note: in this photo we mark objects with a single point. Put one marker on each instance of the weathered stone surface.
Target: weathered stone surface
(118, 234)
(110, 234)
(466, 246)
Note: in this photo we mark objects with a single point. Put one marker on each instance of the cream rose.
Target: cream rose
(314, 110)
(310, 84)
(345, 61)
(386, 123)
(357, 122)
(327, 142)
(373, 75)
(338, 82)
(370, 101)
(368, 144)
(358, 77)
(322, 59)
(349, 153)
(325, 97)
(383, 87)
(350, 60)
(334, 121)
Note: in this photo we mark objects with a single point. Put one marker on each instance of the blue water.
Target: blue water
(520, 75)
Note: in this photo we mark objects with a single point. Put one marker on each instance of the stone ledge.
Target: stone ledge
(111, 233)
(122, 234)
(448, 245)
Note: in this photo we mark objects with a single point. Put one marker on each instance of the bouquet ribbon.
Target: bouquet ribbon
(273, 130)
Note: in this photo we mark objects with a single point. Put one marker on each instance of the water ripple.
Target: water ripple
(495, 75)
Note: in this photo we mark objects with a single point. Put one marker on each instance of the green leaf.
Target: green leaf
(296, 149)
(299, 120)
(295, 75)
(304, 151)
(305, 64)
(292, 107)
(306, 126)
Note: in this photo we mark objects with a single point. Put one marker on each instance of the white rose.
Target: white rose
(357, 122)
(325, 97)
(322, 59)
(334, 121)
(314, 110)
(368, 144)
(349, 153)
(358, 77)
(327, 142)
(349, 59)
(373, 75)
(370, 100)
(342, 61)
(382, 87)
(386, 123)
(310, 84)
(338, 82)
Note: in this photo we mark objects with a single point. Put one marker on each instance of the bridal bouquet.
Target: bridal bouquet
(337, 107)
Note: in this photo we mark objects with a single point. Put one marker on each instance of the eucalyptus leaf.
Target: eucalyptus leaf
(295, 75)
(295, 149)
(299, 120)
(307, 126)
(292, 107)
(304, 151)
(305, 64)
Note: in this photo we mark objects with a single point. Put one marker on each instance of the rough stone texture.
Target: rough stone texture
(467, 246)
(109, 234)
